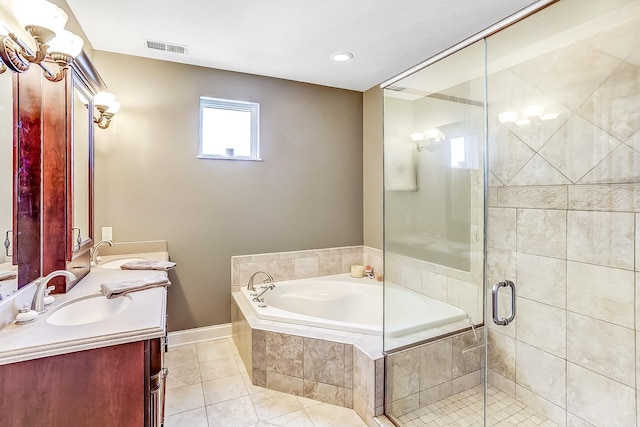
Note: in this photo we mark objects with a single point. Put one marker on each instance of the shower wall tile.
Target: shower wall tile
(501, 265)
(466, 382)
(542, 279)
(542, 232)
(501, 383)
(435, 394)
(575, 421)
(533, 197)
(405, 405)
(622, 83)
(467, 353)
(513, 155)
(613, 289)
(619, 166)
(541, 406)
(502, 229)
(542, 326)
(502, 354)
(577, 148)
(436, 363)
(598, 399)
(538, 171)
(492, 197)
(577, 73)
(614, 354)
(602, 238)
(637, 235)
(608, 198)
(542, 373)
(403, 379)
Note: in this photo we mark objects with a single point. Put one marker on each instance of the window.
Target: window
(229, 129)
(464, 152)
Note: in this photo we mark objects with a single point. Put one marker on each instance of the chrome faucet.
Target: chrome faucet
(269, 279)
(94, 252)
(257, 297)
(41, 285)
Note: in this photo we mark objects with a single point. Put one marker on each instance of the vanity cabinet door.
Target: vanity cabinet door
(99, 387)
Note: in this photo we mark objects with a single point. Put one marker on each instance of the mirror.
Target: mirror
(81, 233)
(9, 284)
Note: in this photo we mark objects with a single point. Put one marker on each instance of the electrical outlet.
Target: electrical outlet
(107, 233)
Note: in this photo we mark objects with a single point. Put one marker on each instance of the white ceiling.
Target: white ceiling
(292, 39)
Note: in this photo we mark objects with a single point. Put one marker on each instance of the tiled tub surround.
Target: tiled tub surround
(303, 264)
(340, 368)
(564, 225)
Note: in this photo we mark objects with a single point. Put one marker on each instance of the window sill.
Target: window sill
(249, 159)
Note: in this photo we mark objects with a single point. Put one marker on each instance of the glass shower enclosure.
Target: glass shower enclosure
(512, 193)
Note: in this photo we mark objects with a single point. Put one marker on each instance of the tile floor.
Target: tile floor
(208, 386)
(466, 409)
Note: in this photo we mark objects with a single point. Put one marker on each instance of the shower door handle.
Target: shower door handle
(496, 288)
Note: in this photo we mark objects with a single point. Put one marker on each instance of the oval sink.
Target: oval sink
(116, 263)
(92, 308)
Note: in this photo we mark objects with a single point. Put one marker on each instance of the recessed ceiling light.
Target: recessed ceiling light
(341, 56)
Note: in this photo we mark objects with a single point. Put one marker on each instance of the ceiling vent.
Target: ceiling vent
(167, 47)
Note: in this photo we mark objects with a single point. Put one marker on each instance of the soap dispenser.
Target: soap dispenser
(26, 315)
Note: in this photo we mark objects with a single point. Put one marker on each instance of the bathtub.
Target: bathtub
(344, 303)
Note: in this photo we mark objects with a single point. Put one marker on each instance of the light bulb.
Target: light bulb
(67, 43)
(104, 99)
(40, 13)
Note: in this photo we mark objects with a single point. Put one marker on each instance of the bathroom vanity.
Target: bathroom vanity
(101, 367)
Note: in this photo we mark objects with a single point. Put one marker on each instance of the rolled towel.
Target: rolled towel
(116, 289)
(148, 265)
(7, 274)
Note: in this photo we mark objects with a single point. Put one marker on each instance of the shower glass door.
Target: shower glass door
(563, 195)
(555, 98)
(433, 244)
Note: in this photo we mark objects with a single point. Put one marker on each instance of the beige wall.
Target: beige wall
(372, 164)
(306, 194)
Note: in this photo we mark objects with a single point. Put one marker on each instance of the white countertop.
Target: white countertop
(143, 319)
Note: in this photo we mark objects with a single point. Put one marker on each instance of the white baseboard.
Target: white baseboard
(191, 336)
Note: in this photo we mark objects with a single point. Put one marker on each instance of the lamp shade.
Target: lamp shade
(114, 107)
(104, 99)
(40, 13)
(66, 42)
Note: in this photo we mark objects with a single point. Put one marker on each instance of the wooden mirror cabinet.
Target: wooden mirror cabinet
(53, 145)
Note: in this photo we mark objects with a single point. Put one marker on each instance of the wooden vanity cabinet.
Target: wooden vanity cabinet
(110, 386)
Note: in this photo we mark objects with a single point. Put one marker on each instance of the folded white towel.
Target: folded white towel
(148, 265)
(116, 289)
(7, 274)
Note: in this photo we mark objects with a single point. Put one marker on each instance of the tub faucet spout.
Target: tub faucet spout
(269, 279)
(257, 297)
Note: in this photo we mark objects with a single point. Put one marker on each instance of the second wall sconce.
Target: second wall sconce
(107, 106)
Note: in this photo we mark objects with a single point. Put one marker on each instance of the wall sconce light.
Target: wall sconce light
(45, 23)
(431, 139)
(107, 106)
